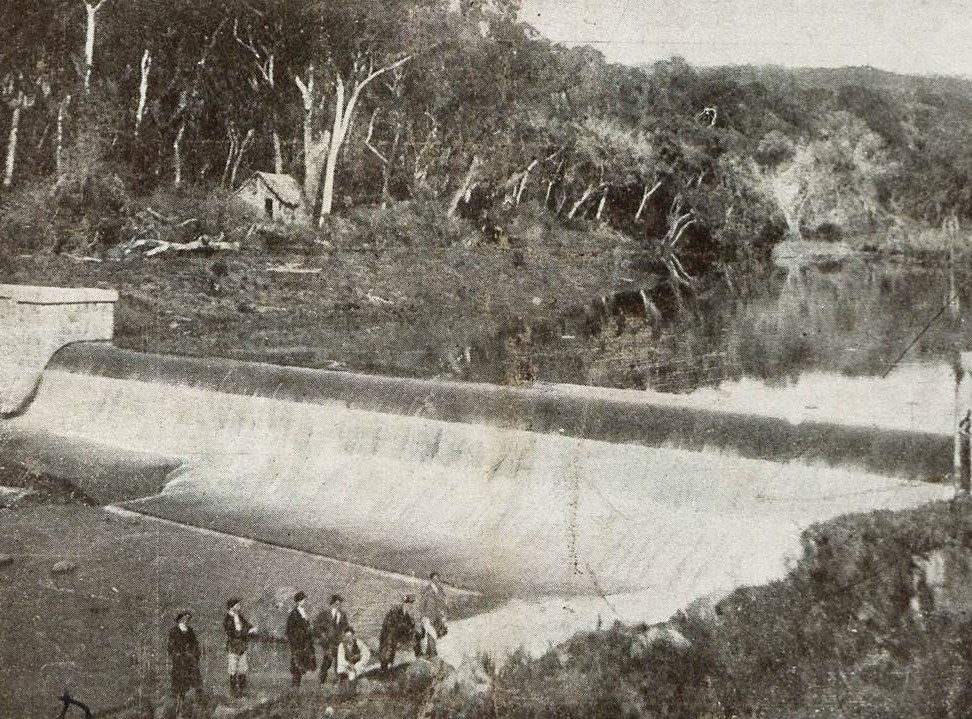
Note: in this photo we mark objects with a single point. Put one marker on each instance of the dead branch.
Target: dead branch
(376, 299)
(371, 130)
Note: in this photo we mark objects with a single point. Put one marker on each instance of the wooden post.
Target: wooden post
(963, 427)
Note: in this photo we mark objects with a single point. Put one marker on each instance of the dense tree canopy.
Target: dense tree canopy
(374, 102)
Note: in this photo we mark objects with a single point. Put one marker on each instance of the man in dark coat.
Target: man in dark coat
(432, 611)
(183, 650)
(397, 628)
(301, 639)
(330, 626)
(238, 631)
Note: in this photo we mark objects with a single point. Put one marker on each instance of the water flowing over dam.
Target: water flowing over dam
(366, 469)
(517, 492)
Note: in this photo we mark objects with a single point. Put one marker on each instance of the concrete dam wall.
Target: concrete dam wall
(544, 410)
(381, 472)
(509, 490)
(35, 322)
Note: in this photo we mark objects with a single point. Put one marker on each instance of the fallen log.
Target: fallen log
(203, 242)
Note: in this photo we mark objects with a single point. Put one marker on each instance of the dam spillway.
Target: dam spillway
(508, 490)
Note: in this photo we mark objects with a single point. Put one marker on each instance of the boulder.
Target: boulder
(64, 567)
(420, 674)
(942, 581)
(469, 679)
(423, 669)
(657, 635)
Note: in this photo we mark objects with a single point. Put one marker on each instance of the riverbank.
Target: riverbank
(414, 308)
(89, 596)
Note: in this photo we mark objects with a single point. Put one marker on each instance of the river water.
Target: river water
(854, 340)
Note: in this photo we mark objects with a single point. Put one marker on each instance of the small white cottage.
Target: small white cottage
(274, 198)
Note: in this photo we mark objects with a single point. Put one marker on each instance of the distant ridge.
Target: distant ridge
(847, 76)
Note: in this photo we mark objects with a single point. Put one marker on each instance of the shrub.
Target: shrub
(413, 223)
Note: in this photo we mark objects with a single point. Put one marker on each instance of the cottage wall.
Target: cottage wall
(254, 195)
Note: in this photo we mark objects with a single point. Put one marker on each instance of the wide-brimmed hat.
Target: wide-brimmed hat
(335, 598)
(409, 599)
(180, 615)
(299, 595)
(232, 602)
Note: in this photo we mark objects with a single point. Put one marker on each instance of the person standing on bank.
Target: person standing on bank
(432, 612)
(183, 650)
(330, 626)
(397, 628)
(302, 656)
(238, 631)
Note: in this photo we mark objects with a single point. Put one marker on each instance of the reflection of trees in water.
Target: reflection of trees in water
(853, 317)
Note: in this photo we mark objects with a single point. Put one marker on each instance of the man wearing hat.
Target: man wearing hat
(397, 628)
(302, 656)
(432, 612)
(238, 631)
(183, 650)
(330, 626)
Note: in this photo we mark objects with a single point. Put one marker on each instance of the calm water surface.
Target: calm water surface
(856, 340)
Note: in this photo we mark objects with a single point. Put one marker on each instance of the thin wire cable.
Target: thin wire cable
(924, 329)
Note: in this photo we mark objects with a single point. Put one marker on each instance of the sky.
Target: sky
(908, 36)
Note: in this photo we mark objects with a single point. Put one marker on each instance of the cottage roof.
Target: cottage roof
(286, 189)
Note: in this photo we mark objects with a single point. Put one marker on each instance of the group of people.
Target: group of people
(340, 647)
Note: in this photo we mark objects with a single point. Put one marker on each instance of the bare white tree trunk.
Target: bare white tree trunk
(240, 151)
(386, 175)
(59, 137)
(234, 141)
(89, 38)
(12, 142)
(600, 205)
(467, 184)
(278, 165)
(588, 191)
(143, 90)
(177, 154)
(645, 196)
(523, 182)
(330, 167)
(343, 116)
(315, 148)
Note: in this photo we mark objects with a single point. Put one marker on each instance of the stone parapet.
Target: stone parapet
(35, 322)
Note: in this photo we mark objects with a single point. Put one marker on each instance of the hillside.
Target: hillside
(484, 188)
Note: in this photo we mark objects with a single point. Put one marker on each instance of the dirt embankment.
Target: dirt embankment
(407, 310)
